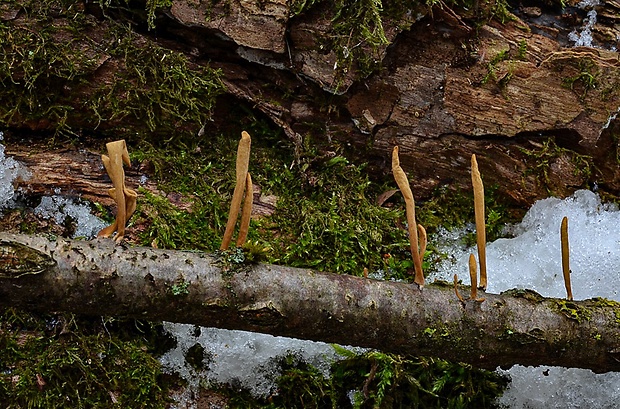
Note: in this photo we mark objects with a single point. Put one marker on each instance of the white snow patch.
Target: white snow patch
(552, 387)
(244, 360)
(584, 39)
(59, 208)
(532, 259)
(10, 170)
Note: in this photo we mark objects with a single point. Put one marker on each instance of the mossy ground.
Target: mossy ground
(60, 361)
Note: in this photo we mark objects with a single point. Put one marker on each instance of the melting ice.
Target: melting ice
(584, 39)
(59, 208)
(10, 170)
(242, 359)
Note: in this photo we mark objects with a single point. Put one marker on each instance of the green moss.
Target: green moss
(585, 79)
(45, 68)
(530, 295)
(378, 380)
(64, 361)
(499, 57)
(572, 310)
(522, 50)
(606, 303)
(180, 288)
(325, 217)
(543, 157)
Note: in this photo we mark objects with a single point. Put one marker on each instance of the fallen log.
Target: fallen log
(222, 290)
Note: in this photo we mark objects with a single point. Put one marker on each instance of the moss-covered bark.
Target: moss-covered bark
(224, 291)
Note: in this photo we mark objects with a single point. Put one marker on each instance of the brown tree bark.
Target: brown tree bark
(100, 278)
(515, 94)
(72, 172)
(538, 113)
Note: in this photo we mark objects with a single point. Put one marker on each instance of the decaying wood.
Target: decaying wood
(100, 278)
(442, 92)
(72, 172)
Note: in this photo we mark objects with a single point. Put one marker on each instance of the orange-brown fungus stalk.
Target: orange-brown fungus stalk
(481, 239)
(423, 240)
(456, 290)
(565, 257)
(243, 163)
(246, 212)
(473, 276)
(403, 185)
(125, 198)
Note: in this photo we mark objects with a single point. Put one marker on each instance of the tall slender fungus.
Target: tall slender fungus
(481, 239)
(423, 240)
(403, 184)
(473, 276)
(246, 212)
(456, 289)
(243, 163)
(565, 257)
(124, 197)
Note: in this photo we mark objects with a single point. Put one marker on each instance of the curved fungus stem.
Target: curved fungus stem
(456, 290)
(124, 197)
(565, 257)
(476, 181)
(403, 184)
(423, 241)
(243, 162)
(473, 276)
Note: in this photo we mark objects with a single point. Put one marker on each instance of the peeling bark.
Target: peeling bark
(99, 278)
(72, 172)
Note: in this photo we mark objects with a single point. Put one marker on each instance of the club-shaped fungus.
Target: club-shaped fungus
(125, 198)
(417, 247)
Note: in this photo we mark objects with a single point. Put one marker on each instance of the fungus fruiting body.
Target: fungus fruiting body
(246, 211)
(565, 257)
(479, 215)
(242, 165)
(456, 290)
(124, 197)
(417, 246)
(473, 276)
